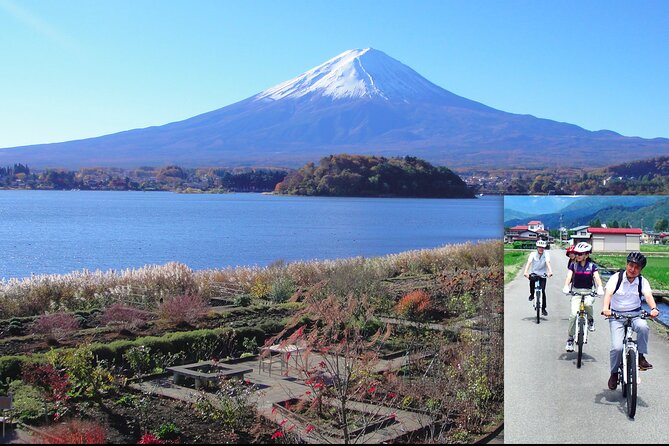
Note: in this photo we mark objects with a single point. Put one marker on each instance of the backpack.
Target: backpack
(620, 280)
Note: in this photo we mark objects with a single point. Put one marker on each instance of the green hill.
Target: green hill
(373, 176)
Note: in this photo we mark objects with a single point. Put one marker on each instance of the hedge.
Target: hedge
(10, 366)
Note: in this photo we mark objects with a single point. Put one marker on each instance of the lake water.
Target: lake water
(56, 232)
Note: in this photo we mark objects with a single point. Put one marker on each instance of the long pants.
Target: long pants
(575, 307)
(618, 339)
(542, 282)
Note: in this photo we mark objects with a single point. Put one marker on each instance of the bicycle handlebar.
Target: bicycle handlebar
(643, 315)
(583, 293)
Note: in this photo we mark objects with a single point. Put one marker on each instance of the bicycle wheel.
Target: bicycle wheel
(631, 383)
(579, 340)
(538, 303)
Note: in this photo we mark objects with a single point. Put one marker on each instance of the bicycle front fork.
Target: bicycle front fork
(630, 348)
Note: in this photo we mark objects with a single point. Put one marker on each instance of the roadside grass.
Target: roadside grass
(656, 271)
(655, 248)
(513, 262)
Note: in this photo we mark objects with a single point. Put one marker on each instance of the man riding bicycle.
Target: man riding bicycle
(539, 263)
(582, 276)
(624, 292)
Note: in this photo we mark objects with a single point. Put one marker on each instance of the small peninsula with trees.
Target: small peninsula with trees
(374, 176)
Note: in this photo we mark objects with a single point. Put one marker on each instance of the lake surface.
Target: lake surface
(56, 232)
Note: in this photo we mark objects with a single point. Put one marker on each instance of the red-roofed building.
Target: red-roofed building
(615, 239)
(533, 231)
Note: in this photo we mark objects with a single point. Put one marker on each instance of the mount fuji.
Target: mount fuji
(361, 101)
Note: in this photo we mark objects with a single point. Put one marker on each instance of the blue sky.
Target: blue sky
(72, 69)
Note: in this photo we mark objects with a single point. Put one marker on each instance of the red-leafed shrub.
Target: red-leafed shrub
(414, 305)
(47, 378)
(76, 432)
(56, 325)
(187, 309)
(150, 439)
(128, 317)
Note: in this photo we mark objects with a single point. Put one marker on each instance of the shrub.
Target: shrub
(150, 439)
(56, 325)
(76, 432)
(186, 308)
(87, 377)
(126, 316)
(167, 431)
(47, 378)
(281, 290)
(261, 287)
(138, 359)
(242, 300)
(414, 305)
(11, 367)
(28, 402)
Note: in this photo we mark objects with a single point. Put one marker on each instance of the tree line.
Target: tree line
(167, 178)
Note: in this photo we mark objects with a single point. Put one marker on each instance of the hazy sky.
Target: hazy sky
(72, 69)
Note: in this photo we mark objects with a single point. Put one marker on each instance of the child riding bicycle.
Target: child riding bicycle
(539, 263)
(624, 292)
(582, 276)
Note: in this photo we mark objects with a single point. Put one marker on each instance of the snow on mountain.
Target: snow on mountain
(360, 73)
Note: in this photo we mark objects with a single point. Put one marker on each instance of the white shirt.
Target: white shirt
(539, 262)
(627, 296)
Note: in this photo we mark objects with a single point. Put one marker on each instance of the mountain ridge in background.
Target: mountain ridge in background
(606, 209)
(361, 101)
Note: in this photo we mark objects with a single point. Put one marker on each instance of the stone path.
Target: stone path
(278, 388)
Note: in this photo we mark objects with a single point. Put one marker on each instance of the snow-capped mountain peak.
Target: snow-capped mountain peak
(359, 73)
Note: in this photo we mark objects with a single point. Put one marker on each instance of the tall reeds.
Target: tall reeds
(149, 286)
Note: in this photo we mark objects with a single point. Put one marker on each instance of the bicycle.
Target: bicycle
(628, 369)
(537, 302)
(581, 331)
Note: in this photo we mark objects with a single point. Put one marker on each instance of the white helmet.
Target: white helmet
(583, 248)
(541, 243)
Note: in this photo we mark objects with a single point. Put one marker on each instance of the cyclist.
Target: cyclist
(571, 254)
(539, 263)
(583, 274)
(624, 292)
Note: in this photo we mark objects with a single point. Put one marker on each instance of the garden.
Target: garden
(379, 335)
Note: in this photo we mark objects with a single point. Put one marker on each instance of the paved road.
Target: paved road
(548, 400)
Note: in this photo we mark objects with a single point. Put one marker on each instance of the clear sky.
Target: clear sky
(72, 69)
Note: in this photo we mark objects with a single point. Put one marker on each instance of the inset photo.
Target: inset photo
(586, 345)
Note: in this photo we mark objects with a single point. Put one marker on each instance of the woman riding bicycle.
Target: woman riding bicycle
(539, 263)
(583, 272)
(624, 292)
(571, 254)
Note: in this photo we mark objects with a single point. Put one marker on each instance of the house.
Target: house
(615, 239)
(531, 232)
(580, 234)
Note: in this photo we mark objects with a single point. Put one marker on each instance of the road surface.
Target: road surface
(548, 400)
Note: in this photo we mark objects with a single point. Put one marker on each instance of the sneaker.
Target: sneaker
(591, 324)
(570, 345)
(643, 364)
(544, 312)
(613, 381)
(531, 297)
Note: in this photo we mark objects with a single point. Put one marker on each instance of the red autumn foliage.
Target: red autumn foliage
(150, 439)
(46, 377)
(127, 316)
(56, 325)
(187, 308)
(414, 305)
(76, 432)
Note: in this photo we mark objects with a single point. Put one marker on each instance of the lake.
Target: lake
(56, 232)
